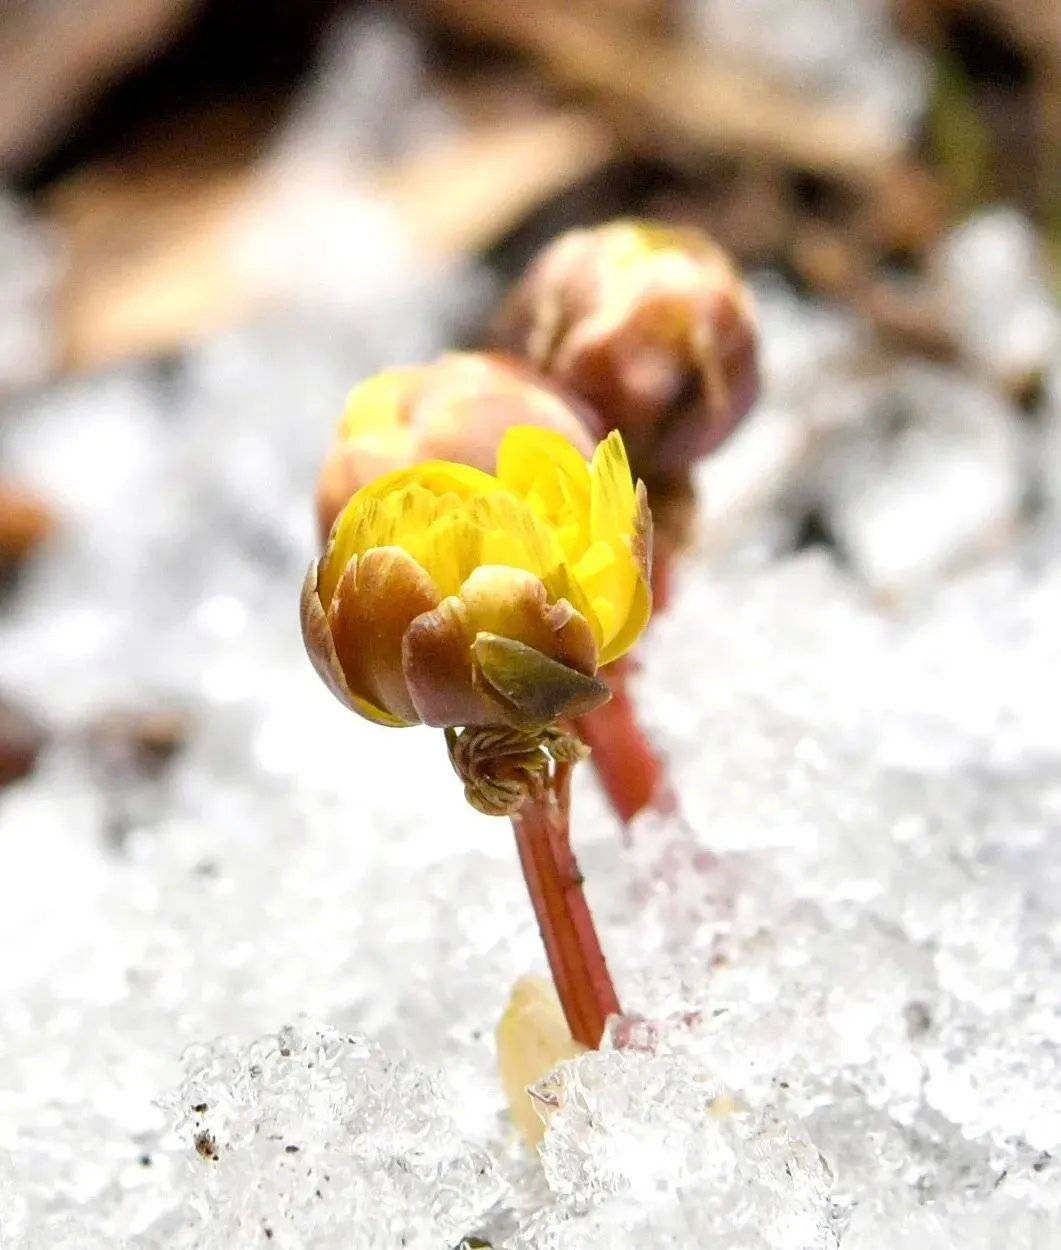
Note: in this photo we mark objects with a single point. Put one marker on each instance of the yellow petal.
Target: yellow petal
(613, 570)
(613, 504)
(375, 425)
(544, 470)
(400, 515)
(450, 548)
(608, 576)
(378, 404)
(531, 460)
(438, 476)
(514, 536)
(628, 632)
(532, 1038)
(640, 607)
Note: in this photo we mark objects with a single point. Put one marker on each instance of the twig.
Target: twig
(146, 282)
(677, 91)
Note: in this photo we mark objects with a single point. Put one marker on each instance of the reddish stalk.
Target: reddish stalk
(583, 984)
(629, 769)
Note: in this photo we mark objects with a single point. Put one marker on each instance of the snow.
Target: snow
(249, 998)
(843, 950)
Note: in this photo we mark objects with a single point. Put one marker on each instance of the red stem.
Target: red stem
(629, 769)
(584, 986)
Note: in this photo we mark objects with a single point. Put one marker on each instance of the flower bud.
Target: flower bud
(650, 325)
(457, 408)
(457, 598)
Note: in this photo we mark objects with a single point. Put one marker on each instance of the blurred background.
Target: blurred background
(363, 179)
(142, 144)
(214, 207)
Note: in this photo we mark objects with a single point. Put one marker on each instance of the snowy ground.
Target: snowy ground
(848, 944)
(845, 950)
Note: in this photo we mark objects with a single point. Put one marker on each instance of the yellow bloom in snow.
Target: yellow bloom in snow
(452, 597)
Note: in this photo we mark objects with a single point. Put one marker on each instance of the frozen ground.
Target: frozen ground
(846, 953)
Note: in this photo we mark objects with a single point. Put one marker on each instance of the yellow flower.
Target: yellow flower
(455, 408)
(454, 597)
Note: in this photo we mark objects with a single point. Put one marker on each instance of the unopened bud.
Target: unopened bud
(651, 326)
(456, 408)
